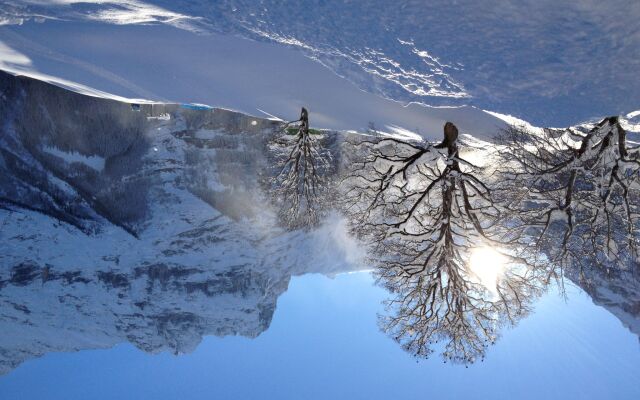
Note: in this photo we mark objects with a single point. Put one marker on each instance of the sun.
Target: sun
(487, 265)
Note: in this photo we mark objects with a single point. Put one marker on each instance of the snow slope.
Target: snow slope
(167, 64)
(551, 63)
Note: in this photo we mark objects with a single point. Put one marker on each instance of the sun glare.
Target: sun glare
(488, 265)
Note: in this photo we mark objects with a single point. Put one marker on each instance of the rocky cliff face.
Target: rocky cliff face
(138, 222)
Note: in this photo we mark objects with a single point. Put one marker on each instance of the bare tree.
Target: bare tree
(574, 194)
(450, 310)
(423, 213)
(299, 187)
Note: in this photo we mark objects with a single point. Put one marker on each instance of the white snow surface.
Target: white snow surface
(162, 63)
(551, 63)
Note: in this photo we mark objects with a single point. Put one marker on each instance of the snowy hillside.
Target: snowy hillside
(255, 78)
(553, 64)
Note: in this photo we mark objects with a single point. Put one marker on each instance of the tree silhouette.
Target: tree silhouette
(299, 187)
(423, 213)
(573, 193)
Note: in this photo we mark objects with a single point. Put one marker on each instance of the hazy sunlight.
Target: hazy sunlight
(487, 264)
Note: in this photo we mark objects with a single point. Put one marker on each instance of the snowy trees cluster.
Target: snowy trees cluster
(541, 200)
(575, 192)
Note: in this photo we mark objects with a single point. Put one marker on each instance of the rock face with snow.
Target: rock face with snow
(140, 223)
(157, 307)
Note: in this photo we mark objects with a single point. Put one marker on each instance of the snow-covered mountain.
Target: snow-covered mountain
(145, 222)
(139, 222)
(551, 63)
(156, 306)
